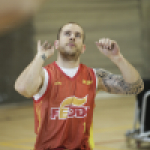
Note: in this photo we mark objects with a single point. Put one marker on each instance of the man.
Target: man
(64, 91)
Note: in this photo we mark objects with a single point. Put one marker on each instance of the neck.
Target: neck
(67, 64)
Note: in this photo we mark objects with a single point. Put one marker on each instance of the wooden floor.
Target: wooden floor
(112, 118)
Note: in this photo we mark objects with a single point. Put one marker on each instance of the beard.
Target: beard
(70, 56)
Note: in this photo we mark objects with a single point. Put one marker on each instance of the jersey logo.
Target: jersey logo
(71, 107)
(87, 82)
(58, 83)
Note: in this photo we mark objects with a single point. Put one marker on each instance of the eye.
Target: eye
(67, 33)
(78, 35)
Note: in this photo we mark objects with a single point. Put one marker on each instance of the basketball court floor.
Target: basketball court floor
(113, 116)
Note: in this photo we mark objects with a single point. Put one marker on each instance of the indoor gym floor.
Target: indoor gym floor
(113, 116)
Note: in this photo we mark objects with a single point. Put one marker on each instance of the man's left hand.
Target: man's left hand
(108, 47)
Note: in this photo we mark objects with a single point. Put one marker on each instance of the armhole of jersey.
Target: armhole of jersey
(37, 97)
(35, 117)
(94, 70)
(95, 83)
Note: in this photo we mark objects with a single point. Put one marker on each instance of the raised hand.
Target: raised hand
(45, 49)
(108, 47)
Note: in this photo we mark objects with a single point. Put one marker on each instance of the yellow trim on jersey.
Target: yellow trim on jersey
(38, 113)
(91, 140)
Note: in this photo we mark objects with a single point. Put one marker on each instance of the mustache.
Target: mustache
(71, 44)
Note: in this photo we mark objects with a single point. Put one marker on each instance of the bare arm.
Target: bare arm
(129, 83)
(31, 79)
(116, 84)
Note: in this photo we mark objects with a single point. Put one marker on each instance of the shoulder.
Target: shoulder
(83, 66)
(87, 70)
(50, 65)
(102, 73)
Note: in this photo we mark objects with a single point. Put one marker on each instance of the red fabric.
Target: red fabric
(64, 109)
(59, 148)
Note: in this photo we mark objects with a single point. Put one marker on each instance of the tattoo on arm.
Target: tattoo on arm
(44, 57)
(115, 84)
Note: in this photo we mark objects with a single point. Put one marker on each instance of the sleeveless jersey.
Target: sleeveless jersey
(64, 114)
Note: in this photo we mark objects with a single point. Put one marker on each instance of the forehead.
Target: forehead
(72, 27)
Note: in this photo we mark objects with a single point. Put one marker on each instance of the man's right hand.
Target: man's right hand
(32, 77)
(45, 50)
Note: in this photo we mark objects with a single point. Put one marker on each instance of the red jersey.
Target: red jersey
(64, 114)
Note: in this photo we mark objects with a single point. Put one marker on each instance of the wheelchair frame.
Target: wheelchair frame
(138, 134)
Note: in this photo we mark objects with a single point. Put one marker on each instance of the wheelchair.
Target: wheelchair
(139, 134)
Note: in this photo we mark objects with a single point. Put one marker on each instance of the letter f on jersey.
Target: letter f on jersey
(71, 107)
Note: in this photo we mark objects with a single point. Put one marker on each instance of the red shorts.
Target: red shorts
(61, 148)
(57, 148)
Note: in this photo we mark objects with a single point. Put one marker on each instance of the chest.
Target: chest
(63, 87)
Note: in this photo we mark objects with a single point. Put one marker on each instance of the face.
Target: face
(71, 42)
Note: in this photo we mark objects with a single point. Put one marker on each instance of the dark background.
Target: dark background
(126, 21)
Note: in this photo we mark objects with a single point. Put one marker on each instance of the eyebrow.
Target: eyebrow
(75, 32)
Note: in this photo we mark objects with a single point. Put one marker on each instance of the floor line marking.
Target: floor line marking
(111, 141)
(21, 140)
(117, 128)
(106, 148)
(5, 144)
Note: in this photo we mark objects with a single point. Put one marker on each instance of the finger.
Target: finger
(107, 43)
(39, 43)
(102, 42)
(113, 44)
(45, 44)
(99, 45)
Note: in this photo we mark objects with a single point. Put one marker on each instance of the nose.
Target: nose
(72, 37)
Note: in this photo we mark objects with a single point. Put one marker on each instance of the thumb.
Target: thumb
(99, 46)
(38, 45)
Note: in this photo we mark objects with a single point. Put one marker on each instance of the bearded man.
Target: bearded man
(64, 91)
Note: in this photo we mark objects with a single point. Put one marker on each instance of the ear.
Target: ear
(83, 49)
(56, 44)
